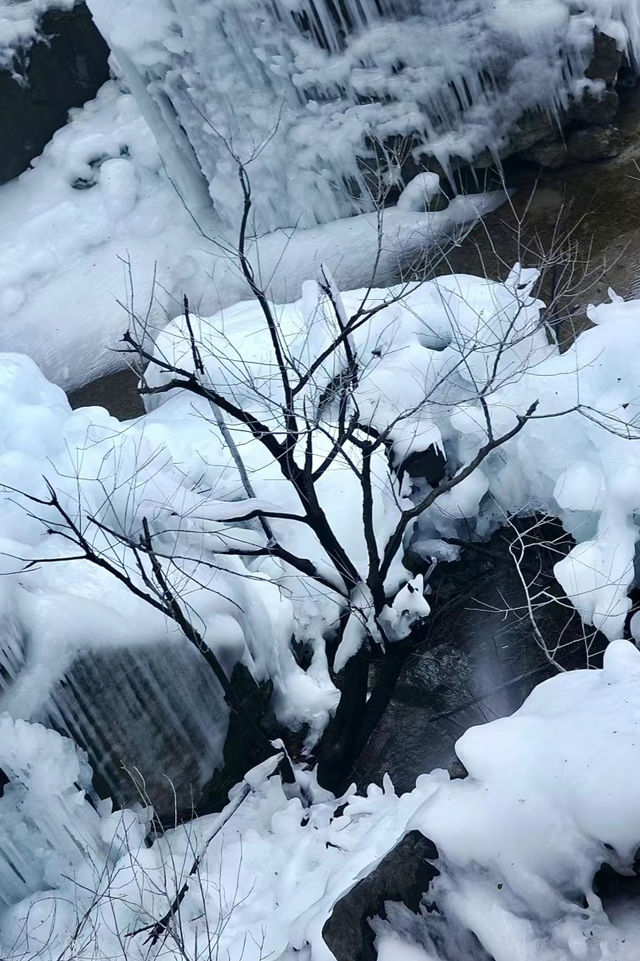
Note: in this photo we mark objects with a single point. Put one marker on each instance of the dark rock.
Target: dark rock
(531, 129)
(615, 889)
(594, 108)
(151, 716)
(240, 750)
(457, 770)
(606, 59)
(548, 154)
(429, 464)
(478, 659)
(627, 76)
(64, 70)
(594, 143)
(403, 875)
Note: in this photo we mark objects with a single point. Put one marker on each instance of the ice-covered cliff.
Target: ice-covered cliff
(323, 96)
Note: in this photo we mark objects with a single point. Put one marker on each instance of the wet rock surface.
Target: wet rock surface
(63, 70)
(403, 875)
(594, 143)
(589, 211)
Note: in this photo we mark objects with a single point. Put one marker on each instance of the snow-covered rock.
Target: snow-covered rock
(79, 650)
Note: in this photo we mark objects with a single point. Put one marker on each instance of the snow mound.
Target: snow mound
(430, 356)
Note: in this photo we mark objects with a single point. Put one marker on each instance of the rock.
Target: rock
(594, 109)
(429, 464)
(627, 76)
(551, 155)
(594, 143)
(65, 70)
(153, 715)
(605, 59)
(530, 130)
(475, 661)
(403, 875)
(240, 750)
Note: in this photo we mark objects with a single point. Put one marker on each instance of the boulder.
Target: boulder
(63, 70)
(551, 154)
(594, 143)
(595, 108)
(403, 875)
(606, 59)
(149, 717)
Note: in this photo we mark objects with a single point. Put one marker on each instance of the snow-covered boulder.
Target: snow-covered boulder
(403, 875)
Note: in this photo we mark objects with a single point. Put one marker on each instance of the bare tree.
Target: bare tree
(306, 416)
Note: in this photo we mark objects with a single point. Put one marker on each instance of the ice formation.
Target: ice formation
(551, 795)
(304, 90)
(98, 222)
(46, 824)
(79, 651)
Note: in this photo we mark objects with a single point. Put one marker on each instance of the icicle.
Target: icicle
(47, 826)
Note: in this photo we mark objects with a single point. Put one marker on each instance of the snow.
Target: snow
(392, 948)
(564, 767)
(428, 356)
(550, 796)
(301, 89)
(55, 613)
(44, 820)
(118, 209)
(419, 192)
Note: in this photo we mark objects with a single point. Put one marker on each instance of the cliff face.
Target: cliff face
(63, 68)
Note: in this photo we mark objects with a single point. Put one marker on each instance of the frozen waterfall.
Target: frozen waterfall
(331, 101)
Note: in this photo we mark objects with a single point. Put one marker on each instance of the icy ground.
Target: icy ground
(551, 795)
(97, 229)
